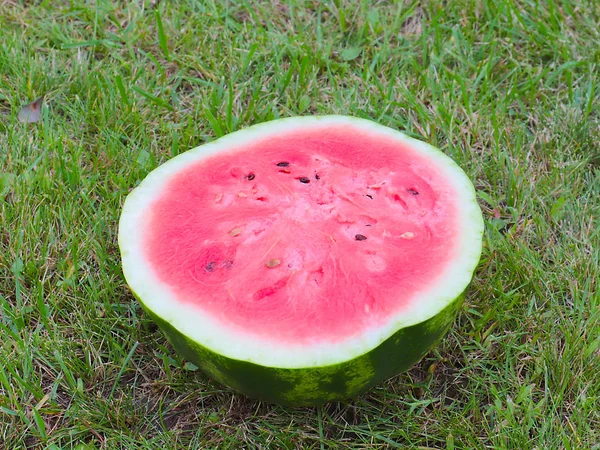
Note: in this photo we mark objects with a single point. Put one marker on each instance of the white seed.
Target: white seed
(235, 232)
(407, 235)
(273, 262)
(218, 198)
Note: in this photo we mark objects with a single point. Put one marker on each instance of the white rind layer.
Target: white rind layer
(206, 331)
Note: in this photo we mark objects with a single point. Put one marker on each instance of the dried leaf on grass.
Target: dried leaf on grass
(31, 112)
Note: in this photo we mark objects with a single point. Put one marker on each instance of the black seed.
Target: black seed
(360, 237)
(304, 180)
(370, 196)
(413, 191)
(283, 164)
(317, 177)
(250, 176)
(210, 266)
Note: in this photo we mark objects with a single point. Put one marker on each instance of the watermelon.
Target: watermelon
(303, 260)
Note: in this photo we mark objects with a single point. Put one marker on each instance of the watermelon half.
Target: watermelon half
(303, 260)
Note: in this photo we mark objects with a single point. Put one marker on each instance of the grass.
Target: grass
(509, 89)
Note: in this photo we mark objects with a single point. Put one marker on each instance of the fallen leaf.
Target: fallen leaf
(31, 112)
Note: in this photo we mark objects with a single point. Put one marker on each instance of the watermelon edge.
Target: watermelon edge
(313, 386)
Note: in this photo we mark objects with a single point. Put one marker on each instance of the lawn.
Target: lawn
(509, 89)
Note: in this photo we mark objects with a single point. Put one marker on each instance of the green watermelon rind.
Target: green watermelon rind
(313, 386)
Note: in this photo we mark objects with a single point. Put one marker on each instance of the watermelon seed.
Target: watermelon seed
(370, 196)
(413, 191)
(304, 180)
(242, 195)
(317, 177)
(235, 232)
(227, 264)
(218, 198)
(407, 235)
(250, 176)
(272, 263)
(360, 237)
(283, 164)
(210, 266)
(285, 171)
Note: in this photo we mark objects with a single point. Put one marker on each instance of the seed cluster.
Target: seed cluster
(286, 168)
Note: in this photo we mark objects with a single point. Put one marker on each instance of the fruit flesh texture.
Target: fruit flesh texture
(304, 237)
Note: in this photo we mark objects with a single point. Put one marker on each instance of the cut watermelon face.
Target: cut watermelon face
(300, 250)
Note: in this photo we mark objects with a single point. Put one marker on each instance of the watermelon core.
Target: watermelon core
(303, 244)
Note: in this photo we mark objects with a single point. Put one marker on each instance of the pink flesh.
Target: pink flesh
(328, 286)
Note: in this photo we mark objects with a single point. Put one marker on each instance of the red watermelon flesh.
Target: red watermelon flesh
(305, 236)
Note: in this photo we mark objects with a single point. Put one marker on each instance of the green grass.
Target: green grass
(509, 89)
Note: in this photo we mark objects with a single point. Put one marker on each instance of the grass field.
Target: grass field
(509, 89)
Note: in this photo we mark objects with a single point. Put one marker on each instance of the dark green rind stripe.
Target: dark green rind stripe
(317, 385)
